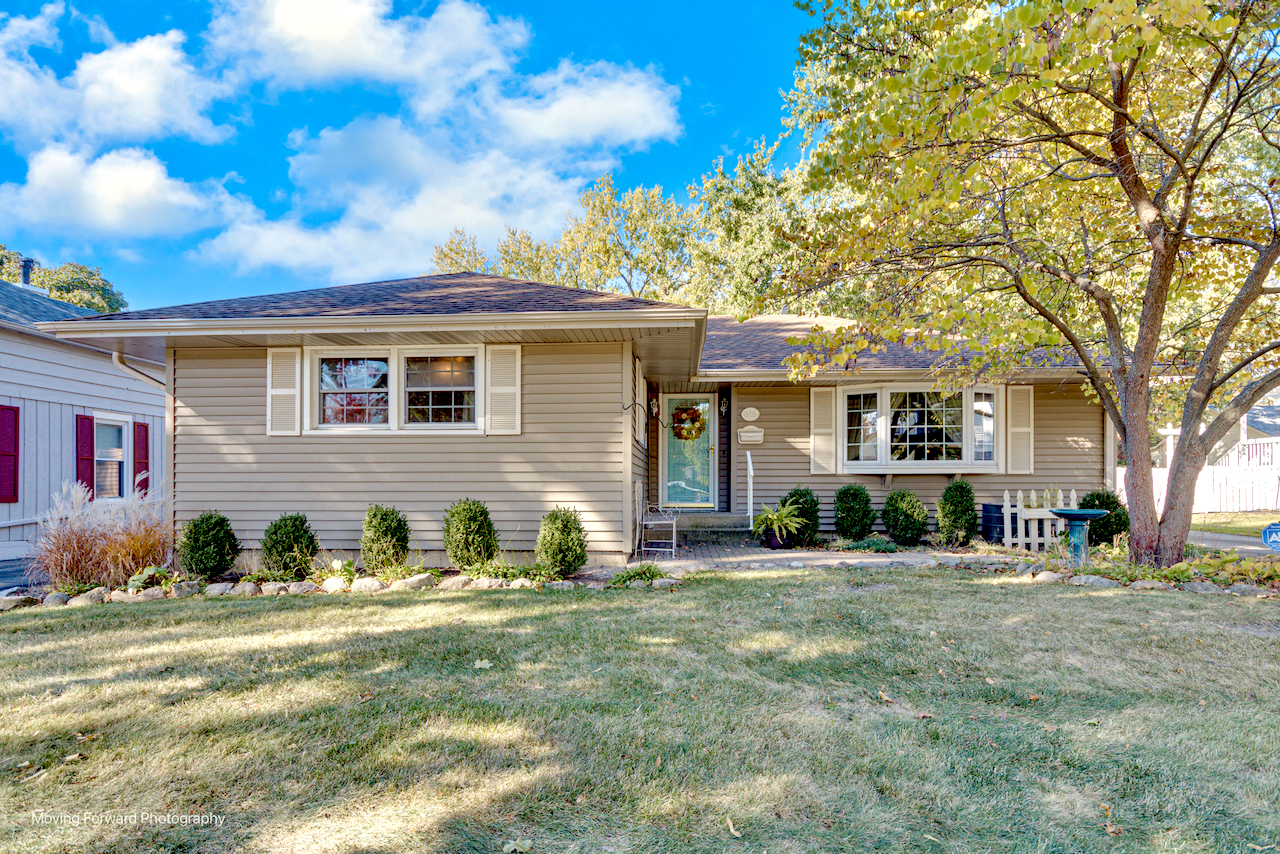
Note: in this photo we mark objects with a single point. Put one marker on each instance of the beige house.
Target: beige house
(418, 392)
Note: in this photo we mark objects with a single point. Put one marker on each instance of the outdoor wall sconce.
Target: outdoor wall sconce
(724, 406)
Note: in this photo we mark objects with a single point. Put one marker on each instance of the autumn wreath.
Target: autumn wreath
(688, 423)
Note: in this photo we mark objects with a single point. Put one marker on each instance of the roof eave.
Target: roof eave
(757, 375)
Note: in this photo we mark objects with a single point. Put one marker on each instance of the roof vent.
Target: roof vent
(27, 264)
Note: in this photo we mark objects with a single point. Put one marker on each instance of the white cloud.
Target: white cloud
(123, 193)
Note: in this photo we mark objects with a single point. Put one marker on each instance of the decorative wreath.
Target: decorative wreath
(688, 423)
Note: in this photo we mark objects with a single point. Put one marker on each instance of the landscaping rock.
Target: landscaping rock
(367, 585)
(415, 582)
(183, 589)
(795, 564)
(487, 584)
(96, 596)
(1242, 589)
(274, 588)
(1049, 576)
(595, 585)
(638, 584)
(454, 582)
(299, 587)
(1092, 581)
(661, 583)
(334, 585)
(150, 594)
(11, 603)
(1023, 569)
(1201, 587)
(56, 599)
(218, 589)
(522, 584)
(1149, 584)
(559, 585)
(844, 564)
(245, 588)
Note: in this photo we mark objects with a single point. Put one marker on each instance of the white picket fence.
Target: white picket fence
(1222, 488)
(1252, 453)
(1036, 528)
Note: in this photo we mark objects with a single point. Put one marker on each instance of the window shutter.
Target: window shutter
(1020, 418)
(9, 417)
(84, 451)
(502, 391)
(822, 431)
(284, 392)
(141, 457)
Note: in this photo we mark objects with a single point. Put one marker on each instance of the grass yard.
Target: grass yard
(1246, 524)
(1024, 718)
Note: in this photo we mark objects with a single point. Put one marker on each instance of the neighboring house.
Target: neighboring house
(68, 413)
(419, 392)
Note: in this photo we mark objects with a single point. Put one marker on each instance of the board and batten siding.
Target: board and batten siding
(1068, 453)
(51, 382)
(568, 453)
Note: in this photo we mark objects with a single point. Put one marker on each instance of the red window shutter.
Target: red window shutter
(9, 416)
(84, 451)
(141, 456)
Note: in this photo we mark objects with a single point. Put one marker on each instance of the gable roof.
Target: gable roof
(22, 307)
(452, 293)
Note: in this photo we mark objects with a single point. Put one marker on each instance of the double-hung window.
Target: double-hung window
(108, 460)
(917, 428)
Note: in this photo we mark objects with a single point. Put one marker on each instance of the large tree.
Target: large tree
(1091, 181)
(69, 282)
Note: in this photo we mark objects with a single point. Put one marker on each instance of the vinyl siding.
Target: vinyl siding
(51, 383)
(568, 454)
(1068, 452)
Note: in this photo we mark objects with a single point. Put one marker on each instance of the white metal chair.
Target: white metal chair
(654, 527)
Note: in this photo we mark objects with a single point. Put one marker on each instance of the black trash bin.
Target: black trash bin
(993, 523)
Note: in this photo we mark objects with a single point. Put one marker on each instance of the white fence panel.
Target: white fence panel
(1036, 528)
(1222, 489)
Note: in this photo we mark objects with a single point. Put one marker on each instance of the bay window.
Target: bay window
(914, 427)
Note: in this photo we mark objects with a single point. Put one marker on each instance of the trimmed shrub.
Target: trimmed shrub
(288, 548)
(1103, 531)
(957, 514)
(905, 517)
(469, 535)
(873, 543)
(562, 541)
(207, 547)
(806, 505)
(854, 514)
(385, 541)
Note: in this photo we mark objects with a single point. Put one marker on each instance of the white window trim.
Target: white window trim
(395, 357)
(125, 423)
(883, 465)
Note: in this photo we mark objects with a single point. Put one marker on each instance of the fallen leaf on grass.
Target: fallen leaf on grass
(1112, 829)
(1253, 847)
(364, 698)
(990, 681)
(923, 716)
(733, 829)
(884, 698)
(82, 738)
(483, 664)
(73, 757)
(1093, 722)
(518, 845)
(1049, 728)
(1031, 698)
(30, 777)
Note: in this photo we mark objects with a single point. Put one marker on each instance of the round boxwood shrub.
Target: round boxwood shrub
(469, 535)
(905, 517)
(207, 547)
(957, 514)
(562, 541)
(385, 541)
(807, 507)
(288, 547)
(854, 514)
(1104, 530)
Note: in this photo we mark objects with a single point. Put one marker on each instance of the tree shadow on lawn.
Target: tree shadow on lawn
(628, 719)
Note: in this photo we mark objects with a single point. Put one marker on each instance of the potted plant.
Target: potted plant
(775, 526)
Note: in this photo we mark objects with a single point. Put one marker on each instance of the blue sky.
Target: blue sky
(198, 150)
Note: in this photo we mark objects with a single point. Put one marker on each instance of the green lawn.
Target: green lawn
(1247, 524)
(638, 721)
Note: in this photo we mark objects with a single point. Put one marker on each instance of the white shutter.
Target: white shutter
(822, 431)
(284, 392)
(1020, 421)
(502, 390)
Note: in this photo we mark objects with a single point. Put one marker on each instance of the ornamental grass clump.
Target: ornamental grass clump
(207, 546)
(562, 541)
(905, 517)
(854, 514)
(807, 511)
(469, 535)
(288, 549)
(385, 540)
(957, 514)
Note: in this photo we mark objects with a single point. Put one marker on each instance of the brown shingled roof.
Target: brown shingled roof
(453, 293)
(760, 344)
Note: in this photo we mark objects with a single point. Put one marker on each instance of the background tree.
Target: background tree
(69, 282)
(1056, 179)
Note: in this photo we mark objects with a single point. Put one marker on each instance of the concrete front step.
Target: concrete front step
(712, 521)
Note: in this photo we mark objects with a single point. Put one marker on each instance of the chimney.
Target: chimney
(27, 264)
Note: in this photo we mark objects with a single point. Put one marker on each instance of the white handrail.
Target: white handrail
(751, 489)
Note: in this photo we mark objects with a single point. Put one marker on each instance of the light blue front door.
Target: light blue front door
(688, 450)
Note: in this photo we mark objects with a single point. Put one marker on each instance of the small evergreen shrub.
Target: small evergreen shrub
(562, 541)
(854, 514)
(207, 547)
(957, 514)
(469, 535)
(1103, 531)
(807, 507)
(905, 517)
(288, 548)
(873, 543)
(385, 541)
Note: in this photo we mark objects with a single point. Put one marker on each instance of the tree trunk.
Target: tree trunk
(1175, 522)
(1144, 524)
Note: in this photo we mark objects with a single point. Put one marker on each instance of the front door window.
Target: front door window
(689, 451)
